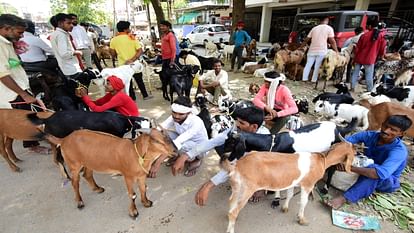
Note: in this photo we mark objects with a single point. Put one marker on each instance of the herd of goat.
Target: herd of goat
(77, 136)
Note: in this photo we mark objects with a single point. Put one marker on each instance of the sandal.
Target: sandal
(192, 169)
(170, 161)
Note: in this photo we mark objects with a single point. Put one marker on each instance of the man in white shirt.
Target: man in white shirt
(214, 83)
(186, 130)
(319, 37)
(68, 58)
(81, 40)
(248, 119)
(14, 84)
(37, 52)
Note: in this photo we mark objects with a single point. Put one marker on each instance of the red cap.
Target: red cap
(116, 82)
(240, 24)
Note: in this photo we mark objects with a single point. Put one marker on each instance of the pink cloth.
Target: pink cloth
(319, 35)
(283, 100)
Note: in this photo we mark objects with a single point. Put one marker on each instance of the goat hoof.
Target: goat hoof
(275, 203)
(285, 210)
(17, 160)
(147, 204)
(16, 169)
(81, 205)
(303, 222)
(99, 190)
(324, 191)
(134, 214)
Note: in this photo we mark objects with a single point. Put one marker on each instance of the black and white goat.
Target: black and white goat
(204, 114)
(317, 137)
(341, 96)
(404, 95)
(346, 112)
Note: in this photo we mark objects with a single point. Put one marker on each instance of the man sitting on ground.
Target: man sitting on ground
(186, 130)
(248, 119)
(215, 83)
(390, 158)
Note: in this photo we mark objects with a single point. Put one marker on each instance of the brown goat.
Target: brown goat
(379, 113)
(280, 171)
(15, 125)
(97, 151)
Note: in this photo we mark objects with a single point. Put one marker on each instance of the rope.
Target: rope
(32, 106)
(273, 142)
(141, 159)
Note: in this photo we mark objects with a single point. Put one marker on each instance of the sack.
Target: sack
(244, 53)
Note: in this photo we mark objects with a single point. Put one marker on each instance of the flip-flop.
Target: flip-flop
(193, 171)
(170, 161)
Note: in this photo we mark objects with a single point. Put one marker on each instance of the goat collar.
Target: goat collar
(178, 108)
(141, 159)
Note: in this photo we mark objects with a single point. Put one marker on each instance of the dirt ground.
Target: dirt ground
(38, 199)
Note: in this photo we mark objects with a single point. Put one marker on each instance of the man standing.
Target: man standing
(128, 49)
(319, 36)
(169, 49)
(68, 58)
(215, 83)
(14, 84)
(390, 158)
(240, 39)
(81, 40)
(370, 47)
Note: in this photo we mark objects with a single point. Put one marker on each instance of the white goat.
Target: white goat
(123, 72)
(228, 51)
(345, 111)
(404, 78)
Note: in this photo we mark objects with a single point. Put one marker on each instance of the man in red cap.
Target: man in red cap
(115, 99)
(240, 40)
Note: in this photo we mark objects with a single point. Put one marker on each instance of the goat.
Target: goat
(207, 63)
(228, 51)
(344, 111)
(204, 114)
(334, 98)
(124, 72)
(280, 171)
(327, 67)
(103, 52)
(395, 67)
(15, 126)
(251, 68)
(296, 58)
(132, 159)
(180, 80)
(63, 123)
(404, 78)
(380, 112)
(254, 88)
(404, 95)
(315, 137)
(302, 104)
(367, 100)
(281, 59)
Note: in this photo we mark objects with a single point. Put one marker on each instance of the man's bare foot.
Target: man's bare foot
(256, 196)
(193, 167)
(336, 203)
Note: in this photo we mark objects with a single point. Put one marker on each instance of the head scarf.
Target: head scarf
(178, 108)
(275, 79)
(116, 83)
(240, 23)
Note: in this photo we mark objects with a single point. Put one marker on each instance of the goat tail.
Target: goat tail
(349, 128)
(228, 166)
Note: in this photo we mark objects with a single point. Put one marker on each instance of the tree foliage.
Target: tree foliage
(87, 10)
(6, 8)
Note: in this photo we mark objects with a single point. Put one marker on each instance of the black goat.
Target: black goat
(207, 63)
(63, 123)
(180, 80)
(317, 137)
(302, 104)
(405, 95)
(204, 114)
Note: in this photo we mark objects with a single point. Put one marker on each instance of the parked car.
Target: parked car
(343, 23)
(211, 32)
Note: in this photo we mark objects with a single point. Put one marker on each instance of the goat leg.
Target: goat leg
(58, 160)
(238, 200)
(304, 196)
(276, 201)
(289, 195)
(9, 150)
(6, 156)
(75, 185)
(330, 171)
(143, 190)
(88, 175)
(133, 211)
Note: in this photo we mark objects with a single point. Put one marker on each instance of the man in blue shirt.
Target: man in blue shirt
(390, 158)
(240, 39)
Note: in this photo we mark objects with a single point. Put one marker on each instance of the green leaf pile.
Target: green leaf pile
(398, 206)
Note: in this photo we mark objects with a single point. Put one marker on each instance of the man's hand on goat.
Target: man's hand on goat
(179, 164)
(154, 169)
(202, 194)
(81, 92)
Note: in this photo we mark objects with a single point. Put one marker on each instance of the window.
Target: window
(352, 21)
